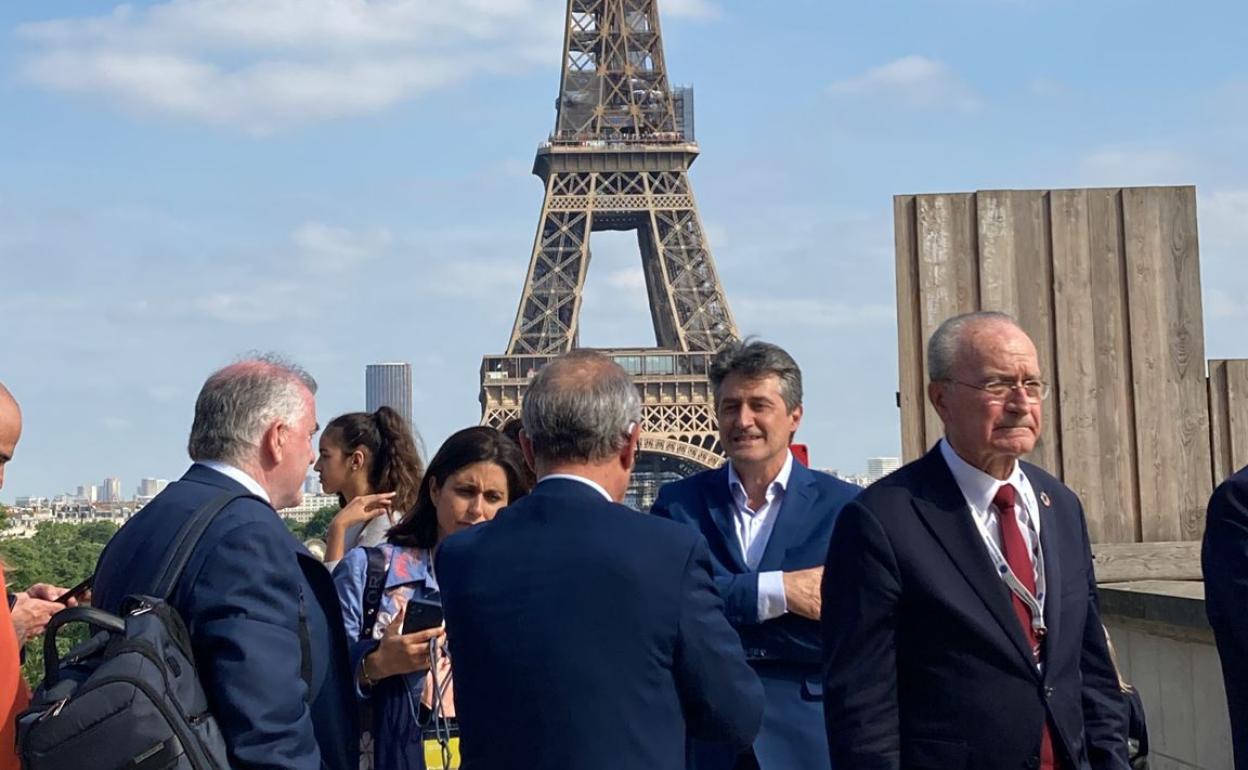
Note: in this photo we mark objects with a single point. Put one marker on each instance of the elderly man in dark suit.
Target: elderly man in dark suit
(768, 519)
(584, 634)
(960, 615)
(1224, 557)
(262, 613)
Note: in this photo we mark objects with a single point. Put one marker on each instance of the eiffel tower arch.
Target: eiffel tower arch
(619, 159)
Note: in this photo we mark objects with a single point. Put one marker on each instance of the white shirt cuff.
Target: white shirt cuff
(771, 601)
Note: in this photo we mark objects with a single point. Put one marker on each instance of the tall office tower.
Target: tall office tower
(879, 467)
(151, 487)
(389, 385)
(111, 492)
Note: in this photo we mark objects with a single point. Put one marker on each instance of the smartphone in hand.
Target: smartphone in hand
(77, 591)
(421, 615)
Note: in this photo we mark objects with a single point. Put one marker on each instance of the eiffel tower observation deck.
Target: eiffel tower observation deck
(619, 159)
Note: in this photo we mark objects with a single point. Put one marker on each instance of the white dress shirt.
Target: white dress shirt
(754, 528)
(587, 482)
(241, 476)
(978, 489)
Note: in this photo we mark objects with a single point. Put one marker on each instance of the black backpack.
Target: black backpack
(129, 697)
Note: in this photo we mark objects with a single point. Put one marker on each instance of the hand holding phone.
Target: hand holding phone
(421, 615)
(77, 591)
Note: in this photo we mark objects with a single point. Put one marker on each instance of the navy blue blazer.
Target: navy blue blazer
(785, 652)
(240, 598)
(587, 635)
(926, 664)
(1224, 558)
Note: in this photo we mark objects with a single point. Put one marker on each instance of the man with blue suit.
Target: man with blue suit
(961, 629)
(1224, 558)
(585, 635)
(768, 520)
(262, 613)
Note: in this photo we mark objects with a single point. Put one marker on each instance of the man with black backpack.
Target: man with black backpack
(261, 612)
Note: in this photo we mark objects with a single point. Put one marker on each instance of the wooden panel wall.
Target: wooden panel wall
(1107, 283)
(1228, 416)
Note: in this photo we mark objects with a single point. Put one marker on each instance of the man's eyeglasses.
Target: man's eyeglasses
(1000, 390)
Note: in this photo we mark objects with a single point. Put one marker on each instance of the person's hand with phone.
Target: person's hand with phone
(399, 653)
(33, 608)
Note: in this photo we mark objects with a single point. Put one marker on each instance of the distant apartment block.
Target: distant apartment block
(303, 512)
(389, 384)
(151, 487)
(879, 467)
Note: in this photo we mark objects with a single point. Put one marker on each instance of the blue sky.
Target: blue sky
(348, 182)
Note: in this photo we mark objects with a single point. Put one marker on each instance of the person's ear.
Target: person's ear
(273, 442)
(628, 455)
(526, 448)
(357, 460)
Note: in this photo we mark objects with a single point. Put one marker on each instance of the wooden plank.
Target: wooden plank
(1125, 562)
(1228, 415)
(946, 236)
(910, 341)
(1167, 331)
(1219, 422)
(1092, 375)
(1016, 276)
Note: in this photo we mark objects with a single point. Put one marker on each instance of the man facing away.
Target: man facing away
(254, 600)
(768, 520)
(584, 634)
(960, 615)
(1224, 559)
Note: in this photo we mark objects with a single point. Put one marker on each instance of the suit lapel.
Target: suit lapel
(1052, 556)
(792, 519)
(720, 507)
(946, 514)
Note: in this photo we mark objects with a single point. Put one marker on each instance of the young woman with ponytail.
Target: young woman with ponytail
(371, 462)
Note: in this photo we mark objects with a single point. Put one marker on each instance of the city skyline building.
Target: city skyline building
(151, 487)
(879, 467)
(110, 490)
(389, 384)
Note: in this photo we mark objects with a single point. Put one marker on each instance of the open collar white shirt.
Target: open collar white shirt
(754, 528)
(978, 489)
(239, 475)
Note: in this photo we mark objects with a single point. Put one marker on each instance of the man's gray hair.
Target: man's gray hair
(946, 341)
(580, 407)
(753, 359)
(239, 402)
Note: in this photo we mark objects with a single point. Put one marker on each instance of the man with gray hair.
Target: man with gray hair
(768, 520)
(262, 613)
(960, 619)
(585, 634)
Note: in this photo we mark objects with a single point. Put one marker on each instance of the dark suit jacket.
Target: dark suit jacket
(240, 598)
(587, 635)
(1224, 558)
(786, 652)
(926, 663)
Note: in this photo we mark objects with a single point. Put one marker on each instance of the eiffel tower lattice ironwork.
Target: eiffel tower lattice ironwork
(619, 159)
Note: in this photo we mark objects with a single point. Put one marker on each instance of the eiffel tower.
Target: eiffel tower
(619, 159)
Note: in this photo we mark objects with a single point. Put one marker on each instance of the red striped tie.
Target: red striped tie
(1018, 556)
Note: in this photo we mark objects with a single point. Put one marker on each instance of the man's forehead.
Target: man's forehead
(999, 346)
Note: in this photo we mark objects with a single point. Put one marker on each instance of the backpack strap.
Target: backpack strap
(374, 586)
(187, 538)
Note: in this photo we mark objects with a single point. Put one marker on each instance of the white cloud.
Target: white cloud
(325, 248)
(1136, 165)
(824, 314)
(629, 278)
(261, 66)
(915, 82)
(690, 9)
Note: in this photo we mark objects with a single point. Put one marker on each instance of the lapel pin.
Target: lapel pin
(1044, 498)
